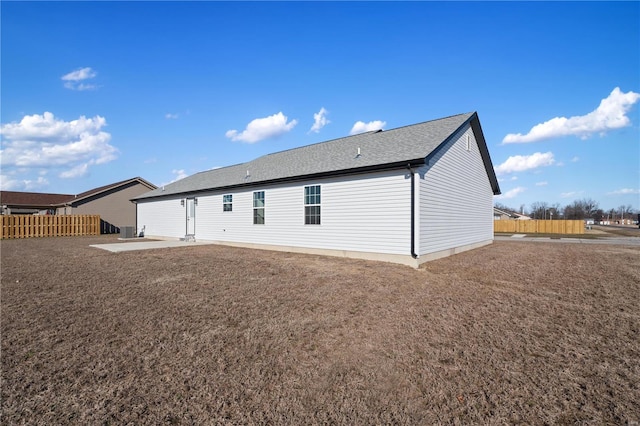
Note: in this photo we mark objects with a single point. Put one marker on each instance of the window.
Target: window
(258, 208)
(227, 203)
(312, 205)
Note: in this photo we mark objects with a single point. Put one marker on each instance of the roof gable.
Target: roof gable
(366, 151)
(112, 187)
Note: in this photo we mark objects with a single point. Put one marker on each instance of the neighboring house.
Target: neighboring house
(502, 215)
(111, 202)
(404, 195)
(14, 202)
(508, 215)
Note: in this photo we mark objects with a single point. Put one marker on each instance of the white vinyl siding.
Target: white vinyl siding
(164, 218)
(455, 196)
(367, 213)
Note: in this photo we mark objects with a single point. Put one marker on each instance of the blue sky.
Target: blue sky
(97, 92)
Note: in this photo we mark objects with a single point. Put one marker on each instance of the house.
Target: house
(111, 202)
(14, 202)
(406, 195)
(499, 214)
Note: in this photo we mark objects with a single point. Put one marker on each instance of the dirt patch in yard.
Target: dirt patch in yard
(513, 333)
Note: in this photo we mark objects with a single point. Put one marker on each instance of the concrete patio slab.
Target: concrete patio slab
(146, 245)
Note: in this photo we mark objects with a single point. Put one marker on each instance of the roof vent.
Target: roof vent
(358, 155)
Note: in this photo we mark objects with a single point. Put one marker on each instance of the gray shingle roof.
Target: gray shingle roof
(377, 149)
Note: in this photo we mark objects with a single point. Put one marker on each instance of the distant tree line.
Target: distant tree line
(585, 208)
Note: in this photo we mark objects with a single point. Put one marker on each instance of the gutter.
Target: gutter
(413, 212)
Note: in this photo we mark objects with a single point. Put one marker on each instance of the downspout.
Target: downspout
(135, 203)
(413, 212)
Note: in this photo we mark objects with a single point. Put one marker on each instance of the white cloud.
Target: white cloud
(10, 183)
(512, 178)
(80, 74)
(610, 114)
(543, 183)
(575, 159)
(320, 120)
(39, 141)
(571, 194)
(624, 191)
(263, 128)
(177, 175)
(74, 79)
(170, 116)
(511, 193)
(361, 127)
(40, 182)
(520, 163)
(180, 174)
(78, 171)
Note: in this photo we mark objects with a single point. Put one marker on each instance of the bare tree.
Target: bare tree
(581, 209)
(625, 211)
(503, 207)
(539, 209)
(598, 215)
(569, 212)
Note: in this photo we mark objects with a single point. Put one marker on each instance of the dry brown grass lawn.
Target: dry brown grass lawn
(515, 332)
(618, 231)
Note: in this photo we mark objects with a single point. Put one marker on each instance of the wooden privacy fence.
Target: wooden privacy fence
(539, 226)
(29, 226)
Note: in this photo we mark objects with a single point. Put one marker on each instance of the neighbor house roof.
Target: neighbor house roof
(32, 199)
(114, 186)
(376, 150)
(43, 200)
(511, 214)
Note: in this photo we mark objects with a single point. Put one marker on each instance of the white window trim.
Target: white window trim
(319, 205)
(263, 208)
(227, 203)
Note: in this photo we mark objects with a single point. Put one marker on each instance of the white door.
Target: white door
(191, 216)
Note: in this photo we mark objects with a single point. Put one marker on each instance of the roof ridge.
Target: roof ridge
(316, 143)
(431, 121)
(362, 134)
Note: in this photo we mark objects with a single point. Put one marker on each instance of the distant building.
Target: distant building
(111, 202)
(499, 214)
